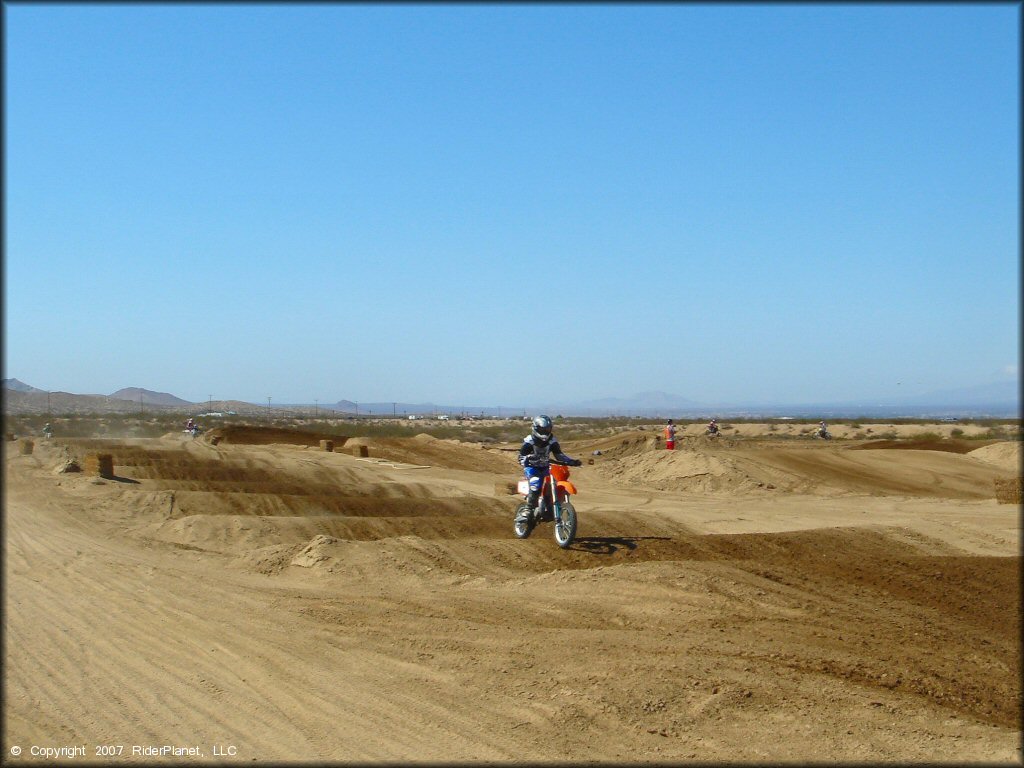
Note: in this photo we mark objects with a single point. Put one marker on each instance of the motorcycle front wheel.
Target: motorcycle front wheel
(565, 524)
(523, 528)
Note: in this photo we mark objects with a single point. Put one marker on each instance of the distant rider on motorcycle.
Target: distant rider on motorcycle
(539, 448)
(713, 427)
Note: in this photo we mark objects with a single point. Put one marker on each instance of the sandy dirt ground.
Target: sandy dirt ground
(744, 599)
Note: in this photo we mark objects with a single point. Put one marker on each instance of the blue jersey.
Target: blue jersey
(536, 455)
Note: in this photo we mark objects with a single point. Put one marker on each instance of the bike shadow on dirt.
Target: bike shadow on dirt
(609, 545)
(118, 479)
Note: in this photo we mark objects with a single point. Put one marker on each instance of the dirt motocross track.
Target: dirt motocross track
(731, 601)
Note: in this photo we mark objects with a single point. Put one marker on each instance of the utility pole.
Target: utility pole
(47, 403)
(209, 408)
(393, 412)
(316, 408)
(268, 407)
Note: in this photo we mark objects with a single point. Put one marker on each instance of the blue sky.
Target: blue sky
(494, 204)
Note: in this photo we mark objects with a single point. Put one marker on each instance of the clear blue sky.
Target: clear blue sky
(492, 204)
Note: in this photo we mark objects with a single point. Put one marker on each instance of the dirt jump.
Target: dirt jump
(749, 599)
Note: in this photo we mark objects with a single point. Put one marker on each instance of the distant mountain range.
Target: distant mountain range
(660, 400)
(1000, 393)
(19, 386)
(135, 394)
(21, 398)
(999, 400)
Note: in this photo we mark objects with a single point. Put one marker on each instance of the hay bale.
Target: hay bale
(361, 450)
(1008, 491)
(327, 445)
(505, 488)
(9, 437)
(25, 447)
(101, 464)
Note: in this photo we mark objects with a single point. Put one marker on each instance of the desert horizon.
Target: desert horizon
(1000, 400)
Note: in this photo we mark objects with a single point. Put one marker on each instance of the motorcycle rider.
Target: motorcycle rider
(538, 449)
(713, 427)
(670, 436)
(822, 429)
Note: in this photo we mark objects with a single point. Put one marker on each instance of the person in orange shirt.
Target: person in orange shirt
(670, 436)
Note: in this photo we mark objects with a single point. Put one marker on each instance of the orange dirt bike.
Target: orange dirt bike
(554, 506)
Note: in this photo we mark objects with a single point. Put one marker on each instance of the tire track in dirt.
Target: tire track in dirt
(142, 695)
(149, 695)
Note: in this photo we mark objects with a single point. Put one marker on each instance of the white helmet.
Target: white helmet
(542, 428)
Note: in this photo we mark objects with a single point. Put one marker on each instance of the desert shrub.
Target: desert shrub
(994, 433)
(956, 432)
(928, 436)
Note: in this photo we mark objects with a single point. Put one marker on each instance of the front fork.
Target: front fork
(549, 487)
(556, 508)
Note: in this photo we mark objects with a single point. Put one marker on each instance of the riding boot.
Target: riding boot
(531, 504)
(532, 498)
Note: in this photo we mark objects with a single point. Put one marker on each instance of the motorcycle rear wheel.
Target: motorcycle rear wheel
(565, 524)
(523, 528)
